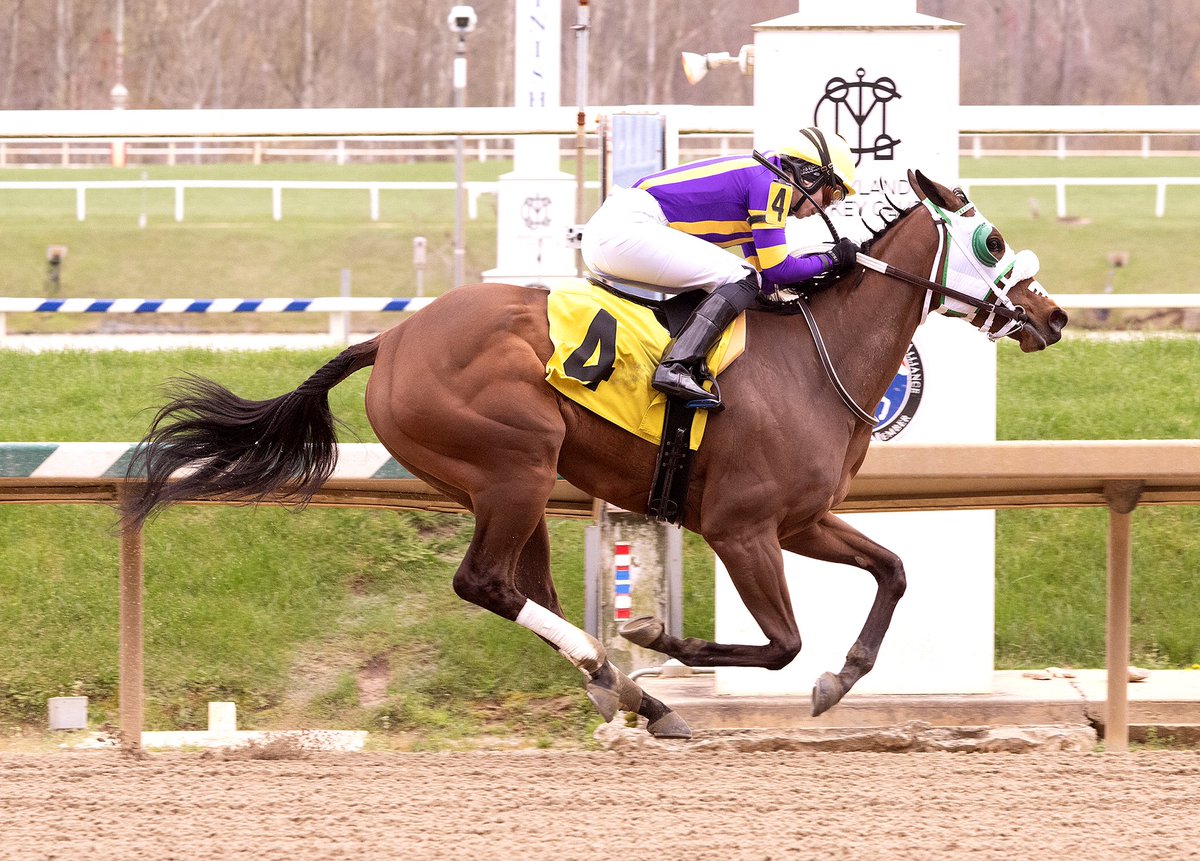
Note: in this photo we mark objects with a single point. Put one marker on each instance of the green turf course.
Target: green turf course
(229, 246)
(294, 615)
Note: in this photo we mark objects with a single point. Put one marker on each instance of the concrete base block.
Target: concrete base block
(68, 712)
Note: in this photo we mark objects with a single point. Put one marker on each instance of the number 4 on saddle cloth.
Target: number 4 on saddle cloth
(605, 351)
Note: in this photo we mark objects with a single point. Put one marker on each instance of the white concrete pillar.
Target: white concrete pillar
(536, 201)
(887, 79)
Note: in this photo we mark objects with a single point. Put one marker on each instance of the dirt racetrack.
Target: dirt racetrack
(596, 805)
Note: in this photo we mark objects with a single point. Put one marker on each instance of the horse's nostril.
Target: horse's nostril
(1058, 320)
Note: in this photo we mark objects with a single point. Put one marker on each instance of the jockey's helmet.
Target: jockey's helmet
(819, 158)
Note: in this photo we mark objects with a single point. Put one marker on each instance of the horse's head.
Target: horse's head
(978, 262)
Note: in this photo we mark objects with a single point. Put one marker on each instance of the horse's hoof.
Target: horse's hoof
(604, 700)
(669, 725)
(827, 693)
(643, 631)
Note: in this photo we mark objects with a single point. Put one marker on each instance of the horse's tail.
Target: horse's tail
(285, 447)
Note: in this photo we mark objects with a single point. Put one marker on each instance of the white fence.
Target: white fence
(1060, 183)
(276, 187)
(476, 189)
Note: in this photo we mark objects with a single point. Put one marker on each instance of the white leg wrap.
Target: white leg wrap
(579, 648)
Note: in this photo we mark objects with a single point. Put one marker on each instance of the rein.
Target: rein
(1016, 314)
(859, 413)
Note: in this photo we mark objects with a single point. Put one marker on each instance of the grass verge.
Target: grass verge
(347, 618)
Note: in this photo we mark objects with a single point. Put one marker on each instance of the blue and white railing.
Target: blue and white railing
(337, 307)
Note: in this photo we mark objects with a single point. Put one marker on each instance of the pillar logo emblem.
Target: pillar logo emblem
(535, 212)
(902, 398)
(862, 104)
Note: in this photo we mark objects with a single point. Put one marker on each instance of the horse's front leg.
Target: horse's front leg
(831, 539)
(755, 565)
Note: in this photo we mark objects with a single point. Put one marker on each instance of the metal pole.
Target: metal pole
(119, 94)
(132, 669)
(582, 23)
(1122, 497)
(460, 88)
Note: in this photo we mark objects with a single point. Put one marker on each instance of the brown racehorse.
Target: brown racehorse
(458, 395)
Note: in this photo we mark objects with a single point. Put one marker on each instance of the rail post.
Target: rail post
(132, 666)
(633, 567)
(1122, 498)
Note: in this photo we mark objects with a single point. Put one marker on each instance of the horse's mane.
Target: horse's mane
(888, 224)
(825, 281)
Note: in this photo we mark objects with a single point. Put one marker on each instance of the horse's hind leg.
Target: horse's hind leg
(831, 539)
(511, 542)
(755, 566)
(608, 687)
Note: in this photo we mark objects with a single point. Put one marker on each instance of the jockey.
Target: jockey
(672, 228)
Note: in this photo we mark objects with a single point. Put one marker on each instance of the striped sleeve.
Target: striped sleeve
(770, 202)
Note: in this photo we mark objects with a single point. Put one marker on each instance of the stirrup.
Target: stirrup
(712, 403)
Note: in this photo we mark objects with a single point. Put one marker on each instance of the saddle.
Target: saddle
(673, 467)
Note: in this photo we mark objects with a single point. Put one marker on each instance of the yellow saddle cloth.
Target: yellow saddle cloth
(605, 353)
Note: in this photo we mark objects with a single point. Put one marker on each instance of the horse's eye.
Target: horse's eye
(995, 244)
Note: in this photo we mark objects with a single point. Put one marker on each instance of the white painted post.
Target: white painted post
(1160, 199)
(277, 202)
(473, 192)
(1060, 198)
(222, 718)
(68, 713)
(81, 204)
(374, 192)
(339, 321)
(179, 202)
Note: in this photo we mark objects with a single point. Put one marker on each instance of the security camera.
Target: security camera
(461, 19)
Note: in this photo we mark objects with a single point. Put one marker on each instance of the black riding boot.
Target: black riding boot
(682, 369)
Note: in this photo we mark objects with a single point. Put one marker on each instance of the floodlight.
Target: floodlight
(696, 66)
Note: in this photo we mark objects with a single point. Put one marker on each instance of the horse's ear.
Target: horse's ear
(914, 182)
(924, 187)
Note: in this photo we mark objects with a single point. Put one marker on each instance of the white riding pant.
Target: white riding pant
(628, 238)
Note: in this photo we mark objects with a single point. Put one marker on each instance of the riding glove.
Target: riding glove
(843, 256)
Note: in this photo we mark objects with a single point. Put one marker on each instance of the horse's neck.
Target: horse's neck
(869, 322)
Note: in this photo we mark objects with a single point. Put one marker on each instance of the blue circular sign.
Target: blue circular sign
(902, 398)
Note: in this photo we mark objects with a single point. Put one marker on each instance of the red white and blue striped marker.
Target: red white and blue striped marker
(623, 585)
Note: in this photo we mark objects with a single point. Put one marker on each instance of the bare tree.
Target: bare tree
(276, 53)
(308, 56)
(14, 53)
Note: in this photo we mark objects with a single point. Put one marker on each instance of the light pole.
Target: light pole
(461, 21)
(119, 94)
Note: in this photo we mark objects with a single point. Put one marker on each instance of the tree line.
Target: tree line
(398, 53)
